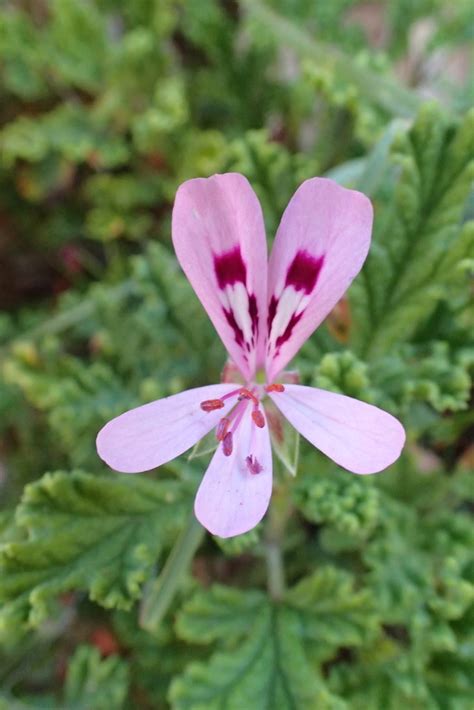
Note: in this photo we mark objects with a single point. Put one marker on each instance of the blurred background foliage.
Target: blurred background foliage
(106, 107)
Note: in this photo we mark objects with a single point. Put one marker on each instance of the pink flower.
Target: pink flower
(263, 313)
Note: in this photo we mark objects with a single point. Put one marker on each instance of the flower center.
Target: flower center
(228, 425)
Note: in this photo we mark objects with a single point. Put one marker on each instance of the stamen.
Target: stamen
(222, 428)
(209, 405)
(277, 387)
(253, 465)
(227, 444)
(258, 418)
(231, 394)
(244, 393)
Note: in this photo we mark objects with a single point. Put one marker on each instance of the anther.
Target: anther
(253, 465)
(222, 428)
(209, 405)
(258, 418)
(277, 387)
(244, 393)
(227, 444)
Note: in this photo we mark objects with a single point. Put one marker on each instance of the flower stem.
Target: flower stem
(275, 570)
(160, 594)
(276, 523)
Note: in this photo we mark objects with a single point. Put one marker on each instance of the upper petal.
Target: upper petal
(219, 239)
(356, 435)
(149, 436)
(320, 246)
(231, 498)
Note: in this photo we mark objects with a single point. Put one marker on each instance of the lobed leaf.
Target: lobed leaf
(419, 241)
(100, 535)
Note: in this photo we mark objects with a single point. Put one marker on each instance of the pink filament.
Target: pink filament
(231, 394)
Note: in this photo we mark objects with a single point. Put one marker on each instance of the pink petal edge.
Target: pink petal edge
(356, 435)
(149, 436)
(324, 235)
(231, 500)
(219, 239)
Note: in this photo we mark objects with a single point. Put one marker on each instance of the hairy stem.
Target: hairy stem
(274, 534)
(160, 595)
(275, 570)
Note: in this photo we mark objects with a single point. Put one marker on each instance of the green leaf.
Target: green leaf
(419, 245)
(92, 683)
(95, 683)
(269, 653)
(269, 669)
(344, 504)
(219, 613)
(101, 535)
(331, 612)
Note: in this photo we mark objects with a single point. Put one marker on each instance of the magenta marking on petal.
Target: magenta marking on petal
(253, 465)
(286, 335)
(230, 267)
(253, 312)
(272, 309)
(304, 271)
(238, 334)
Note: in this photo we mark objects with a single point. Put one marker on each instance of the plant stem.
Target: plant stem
(277, 518)
(162, 591)
(275, 570)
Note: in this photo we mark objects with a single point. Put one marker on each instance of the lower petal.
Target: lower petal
(235, 492)
(149, 436)
(357, 436)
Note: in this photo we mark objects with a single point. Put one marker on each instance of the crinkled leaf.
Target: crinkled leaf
(331, 612)
(418, 241)
(220, 613)
(268, 653)
(102, 535)
(95, 683)
(269, 669)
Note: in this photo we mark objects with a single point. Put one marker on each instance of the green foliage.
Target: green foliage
(420, 244)
(349, 506)
(100, 535)
(91, 681)
(268, 667)
(266, 651)
(433, 374)
(355, 591)
(98, 684)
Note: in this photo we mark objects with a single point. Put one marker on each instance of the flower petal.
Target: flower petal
(149, 436)
(231, 498)
(356, 435)
(219, 239)
(320, 246)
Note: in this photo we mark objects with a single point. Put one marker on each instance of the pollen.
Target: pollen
(277, 387)
(258, 418)
(227, 444)
(244, 393)
(253, 465)
(209, 405)
(222, 428)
